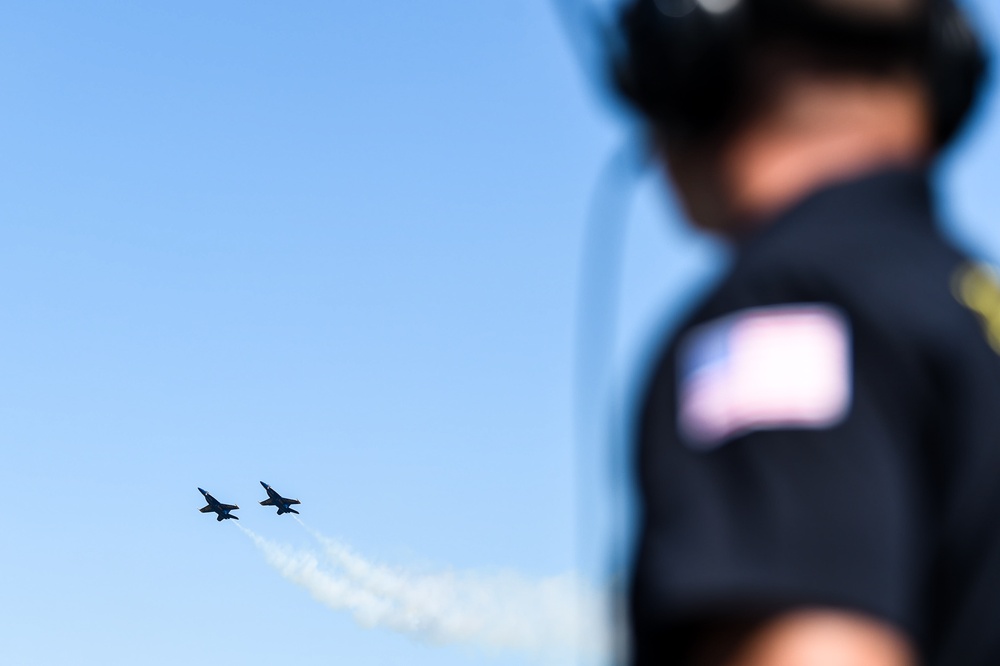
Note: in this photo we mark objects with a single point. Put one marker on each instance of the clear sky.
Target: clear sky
(334, 247)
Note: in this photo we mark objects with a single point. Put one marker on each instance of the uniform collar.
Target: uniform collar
(902, 190)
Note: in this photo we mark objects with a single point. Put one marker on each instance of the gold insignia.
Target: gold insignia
(977, 287)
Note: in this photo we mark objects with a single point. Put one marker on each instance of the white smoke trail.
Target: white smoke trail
(554, 619)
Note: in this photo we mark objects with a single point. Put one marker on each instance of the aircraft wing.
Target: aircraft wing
(207, 509)
(229, 507)
(293, 501)
(267, 502)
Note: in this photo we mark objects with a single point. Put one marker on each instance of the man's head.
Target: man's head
(788, 93)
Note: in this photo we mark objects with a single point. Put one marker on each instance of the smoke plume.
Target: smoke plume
(556, 619)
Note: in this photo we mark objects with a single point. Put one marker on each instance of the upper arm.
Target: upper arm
(824, 638)
(778, 519)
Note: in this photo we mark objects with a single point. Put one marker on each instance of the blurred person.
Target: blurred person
(819, 444)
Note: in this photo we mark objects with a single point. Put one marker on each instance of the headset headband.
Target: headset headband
(684, 61)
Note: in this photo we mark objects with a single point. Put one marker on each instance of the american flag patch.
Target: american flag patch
(764, 368)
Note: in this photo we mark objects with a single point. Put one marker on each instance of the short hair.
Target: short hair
(884, 48)
(891, 10)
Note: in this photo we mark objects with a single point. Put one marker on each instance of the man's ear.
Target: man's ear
(696, 170)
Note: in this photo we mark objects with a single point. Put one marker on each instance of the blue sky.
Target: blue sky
(334, 248)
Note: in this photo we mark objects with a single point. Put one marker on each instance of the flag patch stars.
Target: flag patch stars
(762, 369)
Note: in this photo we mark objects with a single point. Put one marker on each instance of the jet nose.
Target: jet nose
(203, 491)
(264, 484)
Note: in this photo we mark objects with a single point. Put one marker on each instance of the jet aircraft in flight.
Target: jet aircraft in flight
(274, 499)
(218, 507)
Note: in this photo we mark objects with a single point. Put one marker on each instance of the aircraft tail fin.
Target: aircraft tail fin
(219, 518)
(293, 511)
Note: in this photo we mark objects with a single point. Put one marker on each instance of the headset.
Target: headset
(682, 63)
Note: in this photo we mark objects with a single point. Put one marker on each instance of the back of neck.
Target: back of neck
(821, 132)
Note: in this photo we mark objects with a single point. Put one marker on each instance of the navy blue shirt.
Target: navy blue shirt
(824, 431)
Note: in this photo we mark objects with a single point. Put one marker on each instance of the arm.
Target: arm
(824, 638)
(749, 544)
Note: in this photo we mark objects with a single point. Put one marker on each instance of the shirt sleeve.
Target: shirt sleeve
(766, 486)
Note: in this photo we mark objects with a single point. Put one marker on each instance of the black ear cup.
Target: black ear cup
(682, 61)
(956, 67)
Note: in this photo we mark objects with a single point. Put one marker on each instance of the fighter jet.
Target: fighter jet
(274, 499)
(218, 507)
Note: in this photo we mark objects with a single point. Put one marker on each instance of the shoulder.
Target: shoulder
(828, 300)
(887, 267)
